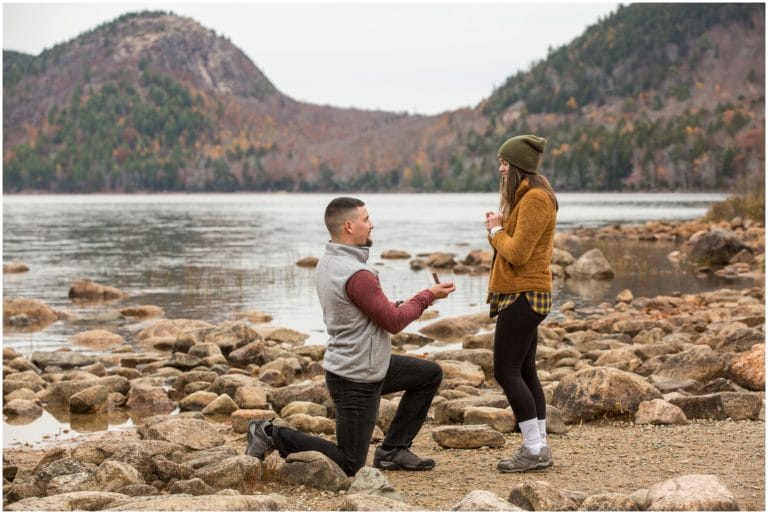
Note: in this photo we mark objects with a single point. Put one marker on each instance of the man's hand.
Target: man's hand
(441, 290)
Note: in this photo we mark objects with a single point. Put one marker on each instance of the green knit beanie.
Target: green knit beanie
(523, 151)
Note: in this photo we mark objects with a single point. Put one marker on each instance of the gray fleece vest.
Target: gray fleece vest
(358, 349)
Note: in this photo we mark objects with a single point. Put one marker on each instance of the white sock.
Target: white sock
(531, 435)
(543, 430)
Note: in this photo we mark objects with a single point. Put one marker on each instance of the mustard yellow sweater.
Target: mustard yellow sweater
(523, 248)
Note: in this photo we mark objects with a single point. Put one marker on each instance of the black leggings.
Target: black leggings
(514, 359)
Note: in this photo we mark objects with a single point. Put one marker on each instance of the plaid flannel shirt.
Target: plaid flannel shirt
(539, 301)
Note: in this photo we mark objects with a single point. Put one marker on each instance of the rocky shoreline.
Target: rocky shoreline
(673, 363)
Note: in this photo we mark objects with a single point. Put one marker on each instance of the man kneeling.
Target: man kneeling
(359, 366)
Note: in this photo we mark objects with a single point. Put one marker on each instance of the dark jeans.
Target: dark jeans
(514, 359)
(357, 406)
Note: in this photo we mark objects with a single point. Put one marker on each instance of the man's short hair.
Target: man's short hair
(338, 211)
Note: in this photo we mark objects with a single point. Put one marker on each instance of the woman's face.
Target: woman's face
(504, 169)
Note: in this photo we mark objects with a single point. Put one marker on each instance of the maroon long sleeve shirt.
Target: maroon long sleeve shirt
(364, 290)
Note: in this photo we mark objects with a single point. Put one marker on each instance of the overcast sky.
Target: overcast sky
(425, 57)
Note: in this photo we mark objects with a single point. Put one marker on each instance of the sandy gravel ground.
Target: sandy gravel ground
(592, 458)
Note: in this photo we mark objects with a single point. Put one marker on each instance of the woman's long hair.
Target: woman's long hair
(508, 199)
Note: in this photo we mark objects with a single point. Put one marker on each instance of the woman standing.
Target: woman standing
(519, 290)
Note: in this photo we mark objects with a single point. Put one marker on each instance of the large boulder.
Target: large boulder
(562, 257)
(691, 493)
(467, 437)
(315, 470)
(282, 335)
(59, 393)
(371, 481)
(456, 373)
(222, 405)
(197, 401)
(97, 339)
(659, 412)
(717, 247)
(111, 475)
(251, 397)
(608, 502)
(452, 411)
(142, 311)
(44, 475)
(255, 352)
(228, 336)
(181, 381)
(306, 408)
(307, 262)
(591, 265)
(15, 267)
(441, 260)
(185, 362)
(210, 456)
(594, 392)
(87, 290)
(479, 258)
(149, 399)
(721, 406)
(287, 366)
(25, 379)
(387, 412)
(22, 410)
(748, 370)
(191, 433)
(395, 254)
(215, 503)
(163, 334)
(537, 495)
(93, 399)
(451, 329)
(228, 384)
(74, 501)
(27, 314)
(482, 357)
(312, 424)
(698, 363)
(739, 340)
(166, 470)
(241, 473)
(362, 502)
(482, 500)
(130, 361)
(483, 341)
(307, 391)
(193, 486)
(502, 420)
(136, 455)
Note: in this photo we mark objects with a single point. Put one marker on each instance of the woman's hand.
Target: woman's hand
(493, 219)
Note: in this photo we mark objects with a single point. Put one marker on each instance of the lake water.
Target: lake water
(206, 256)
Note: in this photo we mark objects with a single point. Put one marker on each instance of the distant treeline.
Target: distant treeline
(151, 132)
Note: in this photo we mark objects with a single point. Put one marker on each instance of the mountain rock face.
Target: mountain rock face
(656, 96)
(179, 47)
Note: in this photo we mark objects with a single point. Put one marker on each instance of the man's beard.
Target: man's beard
(368, 242)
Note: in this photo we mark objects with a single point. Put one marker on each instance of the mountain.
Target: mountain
(655, 96)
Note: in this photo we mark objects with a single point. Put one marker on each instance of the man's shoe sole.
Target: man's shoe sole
(393, 466)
